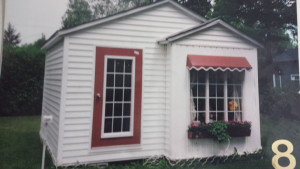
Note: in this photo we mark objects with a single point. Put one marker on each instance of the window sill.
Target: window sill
(116, 135)
(117, 148)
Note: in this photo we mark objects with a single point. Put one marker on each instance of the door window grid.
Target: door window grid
(222, 112)
(118, 117)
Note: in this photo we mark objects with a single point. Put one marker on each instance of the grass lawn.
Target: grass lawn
(21, 148)
(20, 145)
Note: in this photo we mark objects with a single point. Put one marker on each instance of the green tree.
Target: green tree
(21, 82)
(264, 20)
(102, 8)
(11, 37)
(78, 12)
(108, 7)
(201, 7)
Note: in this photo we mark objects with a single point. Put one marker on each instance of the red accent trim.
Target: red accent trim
(217, 61)
(99, 77)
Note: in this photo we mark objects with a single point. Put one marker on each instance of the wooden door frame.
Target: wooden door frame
(101, 52)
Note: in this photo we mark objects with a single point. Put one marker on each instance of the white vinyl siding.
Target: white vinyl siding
(140, 31)
(216, 36)
(52, 95)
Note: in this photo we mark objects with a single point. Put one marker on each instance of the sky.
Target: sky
(31, 18)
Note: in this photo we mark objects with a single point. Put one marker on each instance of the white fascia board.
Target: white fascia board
(52, 41)
(187, 33)
(241, 34)
(167, 40)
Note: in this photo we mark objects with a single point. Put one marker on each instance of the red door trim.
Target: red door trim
(97, 141)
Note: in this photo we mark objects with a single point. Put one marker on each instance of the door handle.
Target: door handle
(98, 95)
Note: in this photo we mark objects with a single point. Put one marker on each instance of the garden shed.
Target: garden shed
(128, 86)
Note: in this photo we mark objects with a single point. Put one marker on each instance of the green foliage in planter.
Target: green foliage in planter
(218, 130)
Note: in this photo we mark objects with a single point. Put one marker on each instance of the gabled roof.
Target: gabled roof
(205, 26)
(287, 56)
(57, 36)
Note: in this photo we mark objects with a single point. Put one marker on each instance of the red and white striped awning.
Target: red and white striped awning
(200, 62)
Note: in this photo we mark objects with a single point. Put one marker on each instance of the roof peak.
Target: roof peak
(204, 26)
(58, 34)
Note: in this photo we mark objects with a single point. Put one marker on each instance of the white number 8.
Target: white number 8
(286, 154)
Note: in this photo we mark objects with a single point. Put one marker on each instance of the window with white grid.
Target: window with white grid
(216, 95)
(118, 97)
(198, 85)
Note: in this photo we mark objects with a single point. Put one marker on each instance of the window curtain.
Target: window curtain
(193, 110)
(234, 105)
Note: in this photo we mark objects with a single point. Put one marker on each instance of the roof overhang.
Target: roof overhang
(223, 63)
(58, 35)
(205, 26)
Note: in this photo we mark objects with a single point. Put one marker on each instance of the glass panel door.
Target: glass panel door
(118, 103)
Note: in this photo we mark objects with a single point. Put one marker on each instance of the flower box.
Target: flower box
(239, 133)
(198, 135)
(232, 128)
(239, 129)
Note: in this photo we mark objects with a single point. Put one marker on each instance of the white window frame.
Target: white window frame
(131, 129)
(294, 77)
(207, 98)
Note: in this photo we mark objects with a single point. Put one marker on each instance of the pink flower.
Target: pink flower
(195, 124)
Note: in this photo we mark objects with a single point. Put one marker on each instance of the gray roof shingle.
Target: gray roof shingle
(287, 56)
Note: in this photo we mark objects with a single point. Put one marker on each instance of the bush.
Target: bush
(21, 81)
(280, 102)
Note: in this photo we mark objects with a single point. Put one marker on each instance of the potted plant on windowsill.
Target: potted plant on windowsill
(219, 130)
